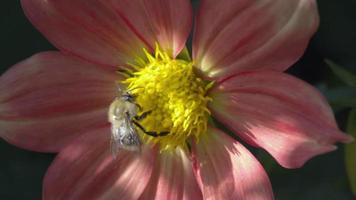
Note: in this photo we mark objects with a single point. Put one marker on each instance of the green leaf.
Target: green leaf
(346, 76)
(350, 152)
(342, 96)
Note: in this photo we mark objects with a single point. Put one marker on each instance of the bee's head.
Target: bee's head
(126, 96)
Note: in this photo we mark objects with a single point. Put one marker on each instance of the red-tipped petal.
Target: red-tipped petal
(226, 170)
(173, 178)
(49, 98)
(110, 33)
(275, 111)
(238, 35)
(86, 169)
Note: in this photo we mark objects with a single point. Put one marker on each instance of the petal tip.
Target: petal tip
(348, 139)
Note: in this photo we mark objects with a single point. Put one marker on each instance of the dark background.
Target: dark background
(323, 177)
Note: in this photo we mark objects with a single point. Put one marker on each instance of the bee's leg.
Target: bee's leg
(138, 106)
(143, 116)
(151, 133)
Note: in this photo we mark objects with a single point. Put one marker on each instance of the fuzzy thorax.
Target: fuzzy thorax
(176, 97)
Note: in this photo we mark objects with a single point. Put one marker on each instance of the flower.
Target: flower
(58, 101)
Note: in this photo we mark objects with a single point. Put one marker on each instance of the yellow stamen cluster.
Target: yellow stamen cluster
(175, 96)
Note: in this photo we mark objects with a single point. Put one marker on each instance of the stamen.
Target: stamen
(175, 97)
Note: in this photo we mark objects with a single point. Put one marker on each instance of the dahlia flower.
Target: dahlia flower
(58, 101)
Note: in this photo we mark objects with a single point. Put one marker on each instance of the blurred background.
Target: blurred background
(324, 177)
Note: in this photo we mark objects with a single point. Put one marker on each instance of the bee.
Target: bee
(123, 118)
(123, 133)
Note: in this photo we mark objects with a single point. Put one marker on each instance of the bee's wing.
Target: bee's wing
(124, 136)
(115, 137)
(130, 140)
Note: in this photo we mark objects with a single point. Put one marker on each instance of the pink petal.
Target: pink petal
(109, 33)
(165, 22)
(49, 98)
(226, 170)
(279, 113)
(86, 169)
(173, 178)
(238, 35)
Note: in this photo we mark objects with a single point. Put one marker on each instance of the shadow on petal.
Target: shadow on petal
(86, 169)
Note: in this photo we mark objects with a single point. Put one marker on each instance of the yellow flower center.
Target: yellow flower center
(175, 97)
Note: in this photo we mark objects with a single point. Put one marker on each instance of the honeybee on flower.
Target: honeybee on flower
(123, 133)
(124, 123)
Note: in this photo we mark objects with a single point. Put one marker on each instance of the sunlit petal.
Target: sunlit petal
(226, 170)
(238, 35)
(279, 113)
(172, 178)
